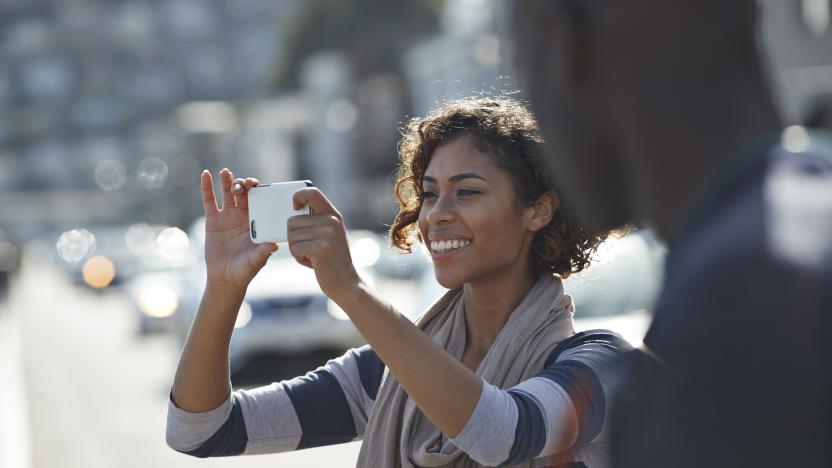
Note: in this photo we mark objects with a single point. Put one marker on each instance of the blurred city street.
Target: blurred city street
(112, 109)
(96, 391)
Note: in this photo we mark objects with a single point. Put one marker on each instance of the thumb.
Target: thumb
(263, 251)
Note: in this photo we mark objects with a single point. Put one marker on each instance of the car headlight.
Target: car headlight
(158, 302)
(335, 310)
(243, 316)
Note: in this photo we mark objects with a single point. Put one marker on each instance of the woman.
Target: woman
(492, 374)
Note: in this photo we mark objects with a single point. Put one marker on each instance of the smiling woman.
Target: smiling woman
(491, 374)
(504, 135)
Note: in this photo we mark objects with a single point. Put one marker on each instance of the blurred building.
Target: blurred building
(111, 108)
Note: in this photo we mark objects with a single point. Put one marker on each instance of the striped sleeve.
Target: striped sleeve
(326, 406)
(561, 407)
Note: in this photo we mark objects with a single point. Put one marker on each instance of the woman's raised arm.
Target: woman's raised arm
(202, 380)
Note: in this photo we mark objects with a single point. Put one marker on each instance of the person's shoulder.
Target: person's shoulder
(798, 205)
(779, 218)
(600, 341)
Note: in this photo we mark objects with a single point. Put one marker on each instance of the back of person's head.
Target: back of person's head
(609, 78)
(508, 133)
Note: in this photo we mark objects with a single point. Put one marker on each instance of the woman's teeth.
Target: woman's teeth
(444, 246)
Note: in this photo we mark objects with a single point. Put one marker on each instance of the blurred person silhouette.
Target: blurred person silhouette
(661, 112)
(492, 374)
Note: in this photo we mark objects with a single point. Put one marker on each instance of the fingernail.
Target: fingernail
(237, 187)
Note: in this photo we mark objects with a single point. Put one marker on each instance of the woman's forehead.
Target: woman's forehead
(456, 156)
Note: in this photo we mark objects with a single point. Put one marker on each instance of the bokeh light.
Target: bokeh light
(152, 173)
(796, 139)
(110, 175)
(140, 239)
(172, 243)
(365, 252)
(98, 272)
(75, 244)
(158, 301)
(243, 316)
(206, 117)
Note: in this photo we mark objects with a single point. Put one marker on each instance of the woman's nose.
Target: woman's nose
(442, 211)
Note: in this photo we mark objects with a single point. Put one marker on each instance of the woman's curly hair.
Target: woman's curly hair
(506, 131)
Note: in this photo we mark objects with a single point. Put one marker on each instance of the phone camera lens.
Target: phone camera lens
(253, 230)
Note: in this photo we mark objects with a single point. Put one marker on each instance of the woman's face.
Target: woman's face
(470, 219)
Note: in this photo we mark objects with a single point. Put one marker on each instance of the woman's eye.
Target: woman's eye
(428, 194)
(465, 192)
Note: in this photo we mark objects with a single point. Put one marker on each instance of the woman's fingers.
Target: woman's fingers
(209, 200)
(240, 188)
(251, 182)
(240, 193)
(306, 252)
(314, 199)
(226, 178)
(313, 220)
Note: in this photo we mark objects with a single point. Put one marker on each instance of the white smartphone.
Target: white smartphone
(269, 209)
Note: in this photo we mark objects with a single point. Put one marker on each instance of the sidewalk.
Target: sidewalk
(15, 435)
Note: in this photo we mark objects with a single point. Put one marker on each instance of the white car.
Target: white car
(284, 316)
(617, 292)
(285, 313)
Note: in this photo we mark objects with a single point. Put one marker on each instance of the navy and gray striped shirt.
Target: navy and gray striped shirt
(560, 412)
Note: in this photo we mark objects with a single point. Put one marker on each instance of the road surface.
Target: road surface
(82, 390)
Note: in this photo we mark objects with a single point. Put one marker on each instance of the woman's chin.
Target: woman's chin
(448, 282)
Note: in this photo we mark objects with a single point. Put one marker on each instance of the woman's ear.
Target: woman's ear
(543, 210)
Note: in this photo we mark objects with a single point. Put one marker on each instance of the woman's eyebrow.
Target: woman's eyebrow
(457, 177)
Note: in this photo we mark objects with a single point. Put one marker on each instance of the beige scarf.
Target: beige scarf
(399, 435)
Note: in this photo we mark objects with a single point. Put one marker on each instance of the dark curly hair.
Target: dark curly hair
(506, 131)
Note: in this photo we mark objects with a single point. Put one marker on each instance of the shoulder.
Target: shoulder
(758, 265)
(779, 213)
(598, 343)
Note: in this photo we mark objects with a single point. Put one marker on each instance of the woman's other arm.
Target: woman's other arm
(444, 389)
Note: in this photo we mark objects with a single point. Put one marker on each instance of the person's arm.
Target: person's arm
(205, 419)
(443, 388)
(202, 380)
(563, 406)
(327, 406)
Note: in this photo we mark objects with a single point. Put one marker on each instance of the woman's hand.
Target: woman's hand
(319, 241)
(231, 258)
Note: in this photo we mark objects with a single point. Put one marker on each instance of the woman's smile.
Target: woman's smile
(443, 249)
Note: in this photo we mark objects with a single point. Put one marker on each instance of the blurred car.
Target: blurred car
(284, 315)
(616, 292)
(155, 290)
(97, 257)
